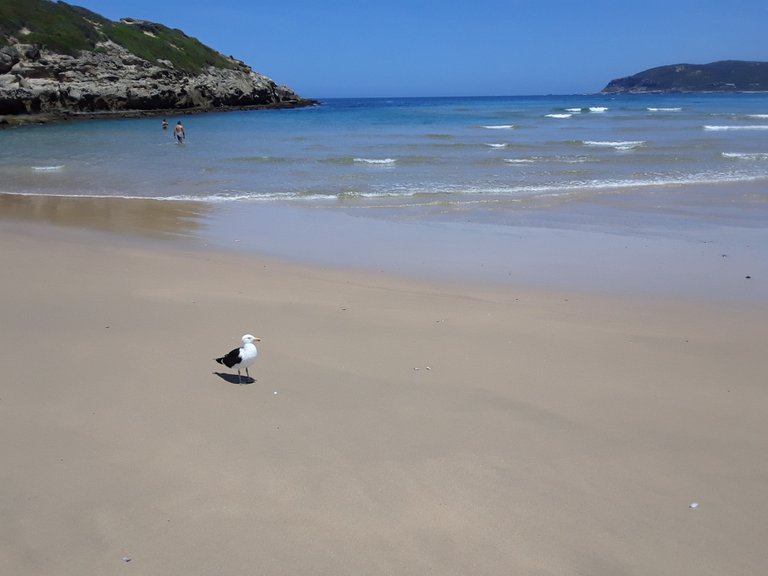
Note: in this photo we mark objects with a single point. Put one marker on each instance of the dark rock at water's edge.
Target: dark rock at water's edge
(723, 76)
(59, 62)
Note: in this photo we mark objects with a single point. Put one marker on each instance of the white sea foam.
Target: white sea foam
(761, 116)
(746, 155)
(619, 145)
(380, 161)
(565, 189)
(518, 160)
(245, 196)
(572, 159)
(496, 145)
(47, 168)
(575, 186)
(598, 109)
(172, 198)
(574, 110)
(724, 128)
(458, 192)
(664, 109)
(559, 115)
(499, 126)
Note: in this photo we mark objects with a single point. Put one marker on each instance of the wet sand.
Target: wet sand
(395, 425)
(594, 247)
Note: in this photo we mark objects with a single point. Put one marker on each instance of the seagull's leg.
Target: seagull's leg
(247, 374)
(239, 378)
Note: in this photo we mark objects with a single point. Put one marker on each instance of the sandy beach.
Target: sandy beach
(394, 426)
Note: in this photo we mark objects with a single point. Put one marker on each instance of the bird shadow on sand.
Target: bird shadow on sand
(233, 378)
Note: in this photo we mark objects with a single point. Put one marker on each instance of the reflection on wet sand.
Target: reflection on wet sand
(152, 218)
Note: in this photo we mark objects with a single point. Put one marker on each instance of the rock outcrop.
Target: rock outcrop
(111, 79)
(724, 76)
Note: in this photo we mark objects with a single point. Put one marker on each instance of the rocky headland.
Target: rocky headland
(91, 66)
(723, 76)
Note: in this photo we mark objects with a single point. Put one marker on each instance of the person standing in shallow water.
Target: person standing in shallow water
(164, 123)
(178, 131)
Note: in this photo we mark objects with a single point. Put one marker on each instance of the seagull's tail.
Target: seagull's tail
(220, 360)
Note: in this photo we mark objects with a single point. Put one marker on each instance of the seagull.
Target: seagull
(241, 357)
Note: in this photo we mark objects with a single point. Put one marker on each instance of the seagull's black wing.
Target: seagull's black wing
(230, 359)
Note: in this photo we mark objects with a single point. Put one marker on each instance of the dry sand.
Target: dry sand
(394, 426)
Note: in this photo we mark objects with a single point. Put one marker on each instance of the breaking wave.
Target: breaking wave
(47, 168)
(746, 155)
(620, 145)
(724, 128)
(377, 161)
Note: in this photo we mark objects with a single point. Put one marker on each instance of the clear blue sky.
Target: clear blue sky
(337, 48)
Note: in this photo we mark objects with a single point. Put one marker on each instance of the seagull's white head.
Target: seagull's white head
(248, 339)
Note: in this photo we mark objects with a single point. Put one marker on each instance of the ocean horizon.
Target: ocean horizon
(427, 183)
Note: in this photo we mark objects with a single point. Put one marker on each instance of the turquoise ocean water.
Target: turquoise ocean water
(403, 152)
(610, 164)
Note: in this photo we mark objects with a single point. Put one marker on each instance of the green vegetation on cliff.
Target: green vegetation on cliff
(69, 29)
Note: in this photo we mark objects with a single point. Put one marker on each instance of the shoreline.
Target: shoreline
(442, 427)
(717, 263)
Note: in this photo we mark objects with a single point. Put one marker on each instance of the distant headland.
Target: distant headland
(59, 61)
(723, 76)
